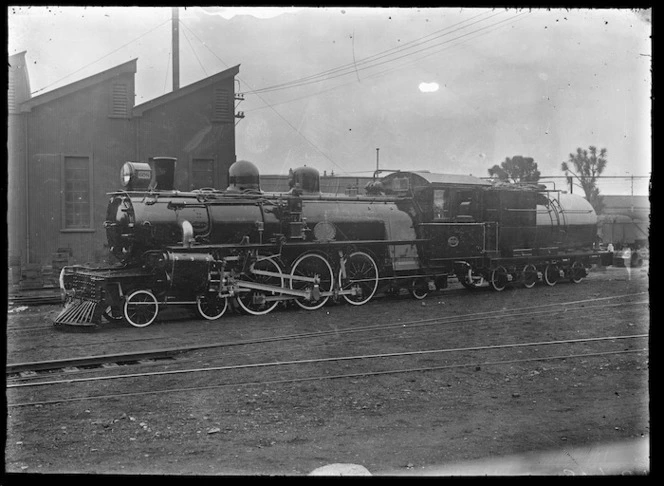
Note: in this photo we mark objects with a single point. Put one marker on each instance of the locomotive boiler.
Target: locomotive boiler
(252, 249)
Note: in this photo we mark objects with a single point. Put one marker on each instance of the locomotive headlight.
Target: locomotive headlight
(136, 175)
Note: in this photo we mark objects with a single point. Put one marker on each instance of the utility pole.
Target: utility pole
(175, 25)
(377, 149)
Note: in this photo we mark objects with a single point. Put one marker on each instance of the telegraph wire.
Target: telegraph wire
(354, 62)
(368, 59)
(99, 59)
(195, 55)
(481, 32)
(394, 68)
(168, 65)
(365, 61)
(266, 103)
(312, 81)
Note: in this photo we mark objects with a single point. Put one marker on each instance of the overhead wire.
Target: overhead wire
(268, 104)
(371, 62)
(343, 70)
(402, 65)
(99, 59)
(368, 59)
(168, 64)
(347, 72)
(195, 55)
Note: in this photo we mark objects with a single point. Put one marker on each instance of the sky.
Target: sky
(449, 90)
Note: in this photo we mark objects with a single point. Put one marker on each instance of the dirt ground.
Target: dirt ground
(479, 406)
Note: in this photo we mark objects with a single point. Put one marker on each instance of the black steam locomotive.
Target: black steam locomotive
(411, 230)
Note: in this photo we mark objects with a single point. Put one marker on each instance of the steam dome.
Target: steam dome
(305, 179)
(243, 176)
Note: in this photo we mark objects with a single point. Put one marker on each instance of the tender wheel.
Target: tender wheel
(576, 272)
(312, 265)
(254, 301)
(471, 280)
(141, 308)
(211, 306)
(529, 274)
(361, 274)
(551, 274)
(499, 279)
(419, 289)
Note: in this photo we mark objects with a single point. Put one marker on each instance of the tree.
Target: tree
(588, 166)
(516, 169)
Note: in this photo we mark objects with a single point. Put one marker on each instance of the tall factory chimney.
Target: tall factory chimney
(175, 23)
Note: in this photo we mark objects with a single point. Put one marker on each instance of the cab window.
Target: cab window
(466, 208)
(441, 204)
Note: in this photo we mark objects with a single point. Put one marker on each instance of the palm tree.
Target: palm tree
(588, 165)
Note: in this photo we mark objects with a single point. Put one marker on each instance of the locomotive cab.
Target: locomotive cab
(439, 197)
(449, 213)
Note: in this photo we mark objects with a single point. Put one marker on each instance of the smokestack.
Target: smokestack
(175, 23)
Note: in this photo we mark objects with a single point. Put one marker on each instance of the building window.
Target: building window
(120, 100)
(202, 173)
(222, 107)
(77, 204)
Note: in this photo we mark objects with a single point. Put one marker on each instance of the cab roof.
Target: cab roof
(424, 178)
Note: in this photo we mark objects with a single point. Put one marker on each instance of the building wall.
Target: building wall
(16, 189)
(189, 129)
(77, 125)
(18, 90)
(625, 220)
(83, 121)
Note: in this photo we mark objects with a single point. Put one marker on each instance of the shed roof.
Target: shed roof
(127, 67)
(138, 110)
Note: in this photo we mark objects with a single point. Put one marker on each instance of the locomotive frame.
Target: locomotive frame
(184, 249)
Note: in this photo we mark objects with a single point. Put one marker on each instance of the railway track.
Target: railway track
(41, 375)
(477, 364)
(33, 300)
(159, 354)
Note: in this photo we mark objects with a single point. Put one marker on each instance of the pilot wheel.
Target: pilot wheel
(141, 308)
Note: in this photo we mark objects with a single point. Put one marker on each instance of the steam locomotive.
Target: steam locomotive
(412, 230)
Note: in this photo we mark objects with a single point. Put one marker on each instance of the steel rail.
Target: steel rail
(136, 356)
(92, 360)
(326, 377)
(327, 360)
(75, 371)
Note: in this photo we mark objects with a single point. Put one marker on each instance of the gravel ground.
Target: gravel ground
(480, 407)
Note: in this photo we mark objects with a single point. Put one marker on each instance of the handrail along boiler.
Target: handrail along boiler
(411, 230)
